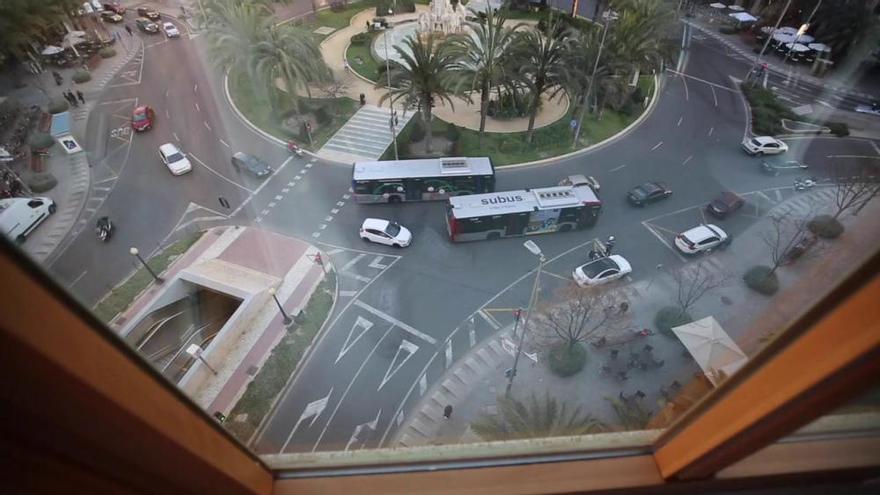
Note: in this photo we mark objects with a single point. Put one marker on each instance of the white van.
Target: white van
(20, 216)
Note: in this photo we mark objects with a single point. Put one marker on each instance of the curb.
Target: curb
(305, 357)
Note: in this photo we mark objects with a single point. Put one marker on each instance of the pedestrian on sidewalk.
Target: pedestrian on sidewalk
(58, 78)
(82, 98)
(447, 411)
(72, 98)
(128, 29)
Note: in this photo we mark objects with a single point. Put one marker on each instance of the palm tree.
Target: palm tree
(542, 66)
(534, 419)
(235, 28)
(422, 75)
(288, 54)
(25, 21)
(482, 59)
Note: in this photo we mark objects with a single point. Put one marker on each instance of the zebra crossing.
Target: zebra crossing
(365, 136)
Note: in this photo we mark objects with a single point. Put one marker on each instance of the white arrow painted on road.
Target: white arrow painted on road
(405, 346)
(362, 323)
(313, 410)
(377, 263)
(357, 430)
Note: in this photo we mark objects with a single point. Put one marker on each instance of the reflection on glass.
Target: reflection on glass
(698, 188)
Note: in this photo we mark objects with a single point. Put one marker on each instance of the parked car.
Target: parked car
(251, 164)
(147, 26)
(775, 168)
(764, 145)
(170, 30)
(114, 7)
(601, 270)
(649, 192)
(385, 232)
(21, 216)
(701, 238)
(142, 118)
(174, 159)
(726, 203)
(579, 180)
(148, 12)
(110, 16)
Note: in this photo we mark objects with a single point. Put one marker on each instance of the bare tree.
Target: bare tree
(784, 233)
(587, 315)
(854, 187)
(334, 89)
(694, 281)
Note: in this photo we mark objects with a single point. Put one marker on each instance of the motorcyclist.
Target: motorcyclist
(294, 148)
(103, 228)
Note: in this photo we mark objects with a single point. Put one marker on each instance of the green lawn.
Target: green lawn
(342, 18)
(549, 141)
(259, 111)
(369, 66)
(121, 297)
(269, 382)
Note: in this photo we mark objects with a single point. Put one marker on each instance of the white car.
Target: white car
(385, 232)
(170, 30)
(701, 238)
(764, 145)
(20, 216)
(174, 159)
(601, 270)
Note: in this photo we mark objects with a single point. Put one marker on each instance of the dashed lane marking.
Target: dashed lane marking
(657, 145)
(412, 331)
(687, 160)
(352, 262)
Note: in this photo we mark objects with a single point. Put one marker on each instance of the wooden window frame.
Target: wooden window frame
(81, 407)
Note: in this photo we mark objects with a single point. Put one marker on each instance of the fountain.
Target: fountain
(441, 19)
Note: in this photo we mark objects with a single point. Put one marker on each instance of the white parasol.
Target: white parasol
(797, 47)
(52, 50)
(713, 350)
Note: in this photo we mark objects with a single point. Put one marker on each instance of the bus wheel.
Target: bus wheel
(493, 236)
(394, 199)
(565, 228)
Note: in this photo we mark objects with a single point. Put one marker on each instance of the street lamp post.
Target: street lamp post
(134, 252)
(767, 43)
(195, 351)
(533, 300)
(287, 320)
(393, 125)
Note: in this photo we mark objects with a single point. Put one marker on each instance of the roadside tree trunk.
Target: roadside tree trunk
(484, 107)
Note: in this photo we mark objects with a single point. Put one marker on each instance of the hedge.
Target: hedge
(418, 130)
(81, 76)
(40, 141)
(669, 317)
(761, 279)
(58, 106)
(825, 226)
(566, 360)
(361, 39)
(41, 183)
(107, 52)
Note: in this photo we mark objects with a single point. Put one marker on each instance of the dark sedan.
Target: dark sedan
(251, 164)
(147, 26)
(649, 192)
(725, 204)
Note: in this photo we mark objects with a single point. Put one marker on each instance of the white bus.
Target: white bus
(525, 212)
(395, 181)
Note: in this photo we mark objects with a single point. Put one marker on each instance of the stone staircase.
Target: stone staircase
(365, 136)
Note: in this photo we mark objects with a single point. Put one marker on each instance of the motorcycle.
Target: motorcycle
(293, 148)
(805, 183)
(104, 229)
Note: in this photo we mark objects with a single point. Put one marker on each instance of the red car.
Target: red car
(142, 118)
(114, 7)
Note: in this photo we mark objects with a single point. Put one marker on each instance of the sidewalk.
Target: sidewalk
(472, 384)
(464, 114)
(71, 171)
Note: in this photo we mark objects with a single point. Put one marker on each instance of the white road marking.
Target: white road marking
(687, 160)
(291, 184)
(335, 251)
(615, 169)
(448, 353)
(715, 85)
(423, 384)
(260, 188)
(778, 194)
(175, 136)
(309, 165)
(679, 121)
(489, 319)
(714, 95)
(405, 346)
(376, 263)
(218, 174)
(876, 148)
(711, 130)
(313, 410)
(354, 275)
(346, 196)
(285, 190)
(258, 219)
(322, 226)
(278, 198)
(686, 92)
(665, 243)
(350, 384)
(340, 203)
(195, 88)
(297, 177)
(166, 93)
(223, 142)
(351, 263)
(357, 430)
(328, 218)
(316, 234)
(207, 126)
(334, 211)
(347, 293)
(362, 325)
(657, 145)
(391, 319)
(197, 107)
(271, 204)
(472, 333)
(77, 279)
(264, 212)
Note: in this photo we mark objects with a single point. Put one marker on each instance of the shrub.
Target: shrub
(58, 105)
(361, 39)
(418, 130)
(406, 6)
(761, 279)
(41, 183)
(669, 317)
(107, 52)
(452, 132)
(338, 5)
(825, 226)
(566, 360)
(322, 116)
(41, 141)
(456, 148)
(81, 76)
(839, 129)
(382, 8)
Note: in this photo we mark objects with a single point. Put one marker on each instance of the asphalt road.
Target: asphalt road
(403, 316)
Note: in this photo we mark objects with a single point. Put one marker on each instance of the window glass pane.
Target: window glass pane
(251, 289)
